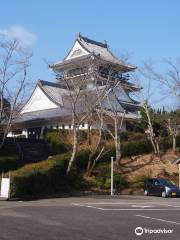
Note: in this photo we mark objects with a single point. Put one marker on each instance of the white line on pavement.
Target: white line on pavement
(125, 209)
(158, 219)
(141, 206)
(138, 209)
(168, 205)
(131, 203)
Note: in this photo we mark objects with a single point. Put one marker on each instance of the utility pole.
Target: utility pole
(112, 166)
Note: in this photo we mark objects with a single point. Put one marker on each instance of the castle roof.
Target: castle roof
(84, 48)
(61, 108)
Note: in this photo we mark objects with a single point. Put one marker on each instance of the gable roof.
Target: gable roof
(98, 49)
(61, 98)
(53, 91)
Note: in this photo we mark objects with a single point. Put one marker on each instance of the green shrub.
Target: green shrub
(44, 178)
(82, 159)
(136, 147)
(9, 162)
(57, 140)
(136, 136)
(128, 149)
(167, 142)
(9, 156)
(104, 181)
(120, 182)
(102, 178)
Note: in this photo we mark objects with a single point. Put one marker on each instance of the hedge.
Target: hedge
(44, 178)
(9, 156)
(9, 162)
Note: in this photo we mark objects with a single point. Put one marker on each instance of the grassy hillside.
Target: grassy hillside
(48, 177)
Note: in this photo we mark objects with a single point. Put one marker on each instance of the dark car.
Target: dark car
(161, 187)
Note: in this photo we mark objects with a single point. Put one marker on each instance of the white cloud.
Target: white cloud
(18, 32)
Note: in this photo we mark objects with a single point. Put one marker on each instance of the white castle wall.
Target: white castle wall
(38, 101)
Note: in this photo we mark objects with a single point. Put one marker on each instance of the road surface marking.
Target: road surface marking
(139, 209)
(125, 209)
(87, 206)
(168, 205)
(158, 219)
(141, 206)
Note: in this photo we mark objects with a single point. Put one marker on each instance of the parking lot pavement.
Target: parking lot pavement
(97, 217)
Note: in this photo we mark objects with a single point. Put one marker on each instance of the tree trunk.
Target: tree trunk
(151, 132)
(117, 142)
(94, 151)
(89, 134)
(174, 143)
(75, 144)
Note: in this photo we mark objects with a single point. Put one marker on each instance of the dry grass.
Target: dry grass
(149, 165)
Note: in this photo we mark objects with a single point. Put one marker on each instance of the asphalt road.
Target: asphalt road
(94, 218)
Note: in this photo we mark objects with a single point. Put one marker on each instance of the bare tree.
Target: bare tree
(103, 102)
(82, 103)
(96, 148)
(14, 62)
(170, 86)
(145, 97)
(150, 130)
(173, 126)
(116, 118)
(170, 80)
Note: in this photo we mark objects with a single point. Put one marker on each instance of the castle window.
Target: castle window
(75, 71)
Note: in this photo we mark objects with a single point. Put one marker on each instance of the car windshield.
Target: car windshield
(166, 182)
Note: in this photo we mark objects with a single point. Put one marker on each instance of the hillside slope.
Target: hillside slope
(148, 165)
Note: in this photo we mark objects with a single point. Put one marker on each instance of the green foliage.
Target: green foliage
(102, 178)
(130, 148)
(9, 159)
(136, 147)
(134, 136)
(9, 162)
(166, 142)
(9, 147)
(57, 140)
(120, 182)
(82, 159)
(44, 178)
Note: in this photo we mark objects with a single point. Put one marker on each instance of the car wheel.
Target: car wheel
(164, 195)
(146, 193)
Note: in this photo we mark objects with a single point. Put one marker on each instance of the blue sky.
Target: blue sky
(145, 29)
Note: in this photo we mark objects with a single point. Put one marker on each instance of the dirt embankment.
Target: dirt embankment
(151, 166)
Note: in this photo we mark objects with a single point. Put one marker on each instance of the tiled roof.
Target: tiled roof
(98, 49)
(101, 49)
(61, 97)
(53, 90)
(42, 115)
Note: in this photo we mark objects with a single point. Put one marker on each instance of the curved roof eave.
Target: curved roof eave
(47, 95)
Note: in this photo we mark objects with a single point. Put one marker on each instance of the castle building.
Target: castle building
(88, 66)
